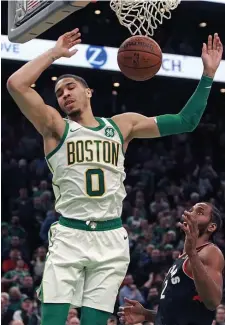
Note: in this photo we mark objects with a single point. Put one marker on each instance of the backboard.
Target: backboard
(28, 19)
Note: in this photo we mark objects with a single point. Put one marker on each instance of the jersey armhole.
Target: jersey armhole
(186, 272)
(48, 156)
(118, 131)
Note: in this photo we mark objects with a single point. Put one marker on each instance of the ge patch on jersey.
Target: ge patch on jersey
(109, 132)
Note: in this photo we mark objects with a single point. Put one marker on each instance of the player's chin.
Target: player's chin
(73, 111)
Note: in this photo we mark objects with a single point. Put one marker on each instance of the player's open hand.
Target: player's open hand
(132, 313)
(190, 227)
(65, 43)
(212, 55)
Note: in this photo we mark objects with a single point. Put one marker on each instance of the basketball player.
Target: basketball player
(88, 248)
(193, 287)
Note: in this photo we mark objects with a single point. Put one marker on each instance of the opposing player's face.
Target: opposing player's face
(202, 213)
(73, 98)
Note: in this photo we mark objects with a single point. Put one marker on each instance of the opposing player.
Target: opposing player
(88, 249)
(193, 286)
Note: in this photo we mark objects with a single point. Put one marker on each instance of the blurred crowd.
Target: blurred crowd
(164, 177)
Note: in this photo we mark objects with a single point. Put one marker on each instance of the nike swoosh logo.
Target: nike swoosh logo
(208, 87)
(74, 130)
(125, 237)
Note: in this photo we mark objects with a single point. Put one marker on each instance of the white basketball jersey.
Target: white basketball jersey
(88, 171)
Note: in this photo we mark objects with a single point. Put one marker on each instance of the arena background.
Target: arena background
(164, 176)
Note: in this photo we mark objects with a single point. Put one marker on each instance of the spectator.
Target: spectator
(163, 226)
(10, 263)
(220, 315)
(130, 291)
(140, 205)
(152, 298)
(46, 201)
(14, 277)
(134, 222)
(25, 313)
(14, 298)
(15, 243)
(159, 204)
(6, 315)
(5, 297)
(145, 257)
(23, 205)
(27, 286)
(74, 321)
(155, 264)
(71, 314)
(195, 197)
(16, 229)
(43, 187)
(38, 206)
(168, 238)
(39, 263)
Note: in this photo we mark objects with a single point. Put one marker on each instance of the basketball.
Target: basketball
(139, 58)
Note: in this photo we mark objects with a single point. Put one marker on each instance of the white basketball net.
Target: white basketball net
(143, 16)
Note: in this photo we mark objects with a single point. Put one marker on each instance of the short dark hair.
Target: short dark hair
(77, 78)
(216, 217)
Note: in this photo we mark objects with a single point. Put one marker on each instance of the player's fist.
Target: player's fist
(212, 55)
(66, 42)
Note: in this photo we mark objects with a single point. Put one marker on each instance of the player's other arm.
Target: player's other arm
(134, 313)
(45, 118)
(189, 117)
(207, 274)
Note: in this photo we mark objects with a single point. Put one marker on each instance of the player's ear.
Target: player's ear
(212, 227)
(88, 92)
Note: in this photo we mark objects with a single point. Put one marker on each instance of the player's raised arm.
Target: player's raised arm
(188, 118)
(45, 118)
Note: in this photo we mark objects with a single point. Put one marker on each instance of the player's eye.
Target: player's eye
(59, 93)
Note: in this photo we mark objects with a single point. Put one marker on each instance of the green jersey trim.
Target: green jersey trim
(49, 166)
(97, 128)
(118, 131)
(60, 143)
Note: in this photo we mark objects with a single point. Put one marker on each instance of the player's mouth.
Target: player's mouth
(69, 103)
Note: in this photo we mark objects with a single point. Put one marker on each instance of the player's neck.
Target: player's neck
(202, 241)
(86, 119)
